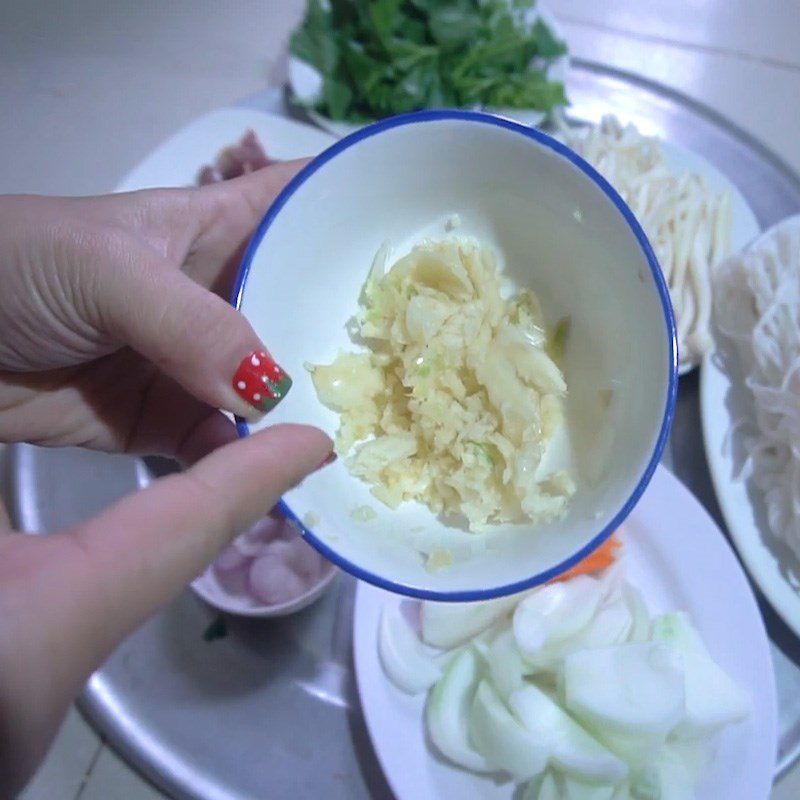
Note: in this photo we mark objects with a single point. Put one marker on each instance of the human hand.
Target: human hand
(110, 338)
(69, 598)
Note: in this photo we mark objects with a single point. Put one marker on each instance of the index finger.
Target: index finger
(227, 215)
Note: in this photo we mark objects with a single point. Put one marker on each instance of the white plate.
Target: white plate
(305, 84)
(177, 161)
(680, 560)
(726, 409)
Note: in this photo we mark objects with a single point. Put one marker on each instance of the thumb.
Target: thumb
(142, 551)
(68, 599)
(193, 336)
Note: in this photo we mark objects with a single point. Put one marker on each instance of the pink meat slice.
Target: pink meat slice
(245, 156)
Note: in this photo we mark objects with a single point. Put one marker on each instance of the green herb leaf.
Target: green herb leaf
(384, 14)
(343, 13)
(547, 46)
(218, 629)
(316, 41)
(454, 26)
(558, 338)
(383, 57)
(337, 98)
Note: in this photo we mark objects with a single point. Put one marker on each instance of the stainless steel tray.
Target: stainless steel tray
(271, 710)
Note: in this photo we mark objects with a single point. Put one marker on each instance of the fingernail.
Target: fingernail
(329, 459)
(261, 382)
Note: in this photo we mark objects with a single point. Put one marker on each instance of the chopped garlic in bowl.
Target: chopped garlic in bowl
(455, 399)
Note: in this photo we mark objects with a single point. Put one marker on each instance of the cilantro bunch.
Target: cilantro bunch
(383, 57)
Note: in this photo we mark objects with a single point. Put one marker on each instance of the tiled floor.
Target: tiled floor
(95, 85)
(112, 779)
(69, 763)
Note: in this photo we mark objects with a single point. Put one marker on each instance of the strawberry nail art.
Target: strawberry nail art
(260, 381)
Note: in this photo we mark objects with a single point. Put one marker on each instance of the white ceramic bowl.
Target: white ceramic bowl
(560, 229)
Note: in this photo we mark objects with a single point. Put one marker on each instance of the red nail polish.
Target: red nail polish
(329, 459)
(260, 381)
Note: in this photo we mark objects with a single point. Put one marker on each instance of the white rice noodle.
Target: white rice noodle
(687, 224)
(757, 305)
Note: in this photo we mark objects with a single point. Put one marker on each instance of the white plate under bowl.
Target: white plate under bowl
(672, 549)
(726, 409)
(176, 161)
(305, 84)
(559, 229)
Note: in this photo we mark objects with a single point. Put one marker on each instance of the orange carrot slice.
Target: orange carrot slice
(597, 560)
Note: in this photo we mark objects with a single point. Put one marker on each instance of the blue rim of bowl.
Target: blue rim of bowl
(468, 595)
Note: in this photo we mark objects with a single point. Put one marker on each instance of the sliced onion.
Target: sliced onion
(404, 658)
(556, 612)
(632, 688)
(449, 624)
(502, 740)
(640, 616)
(506, 665)
(713, 699)
(572, 748)
(448, 711)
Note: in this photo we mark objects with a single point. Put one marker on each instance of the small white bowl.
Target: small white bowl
(208, 587)
(228, 590)
(560, 229)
